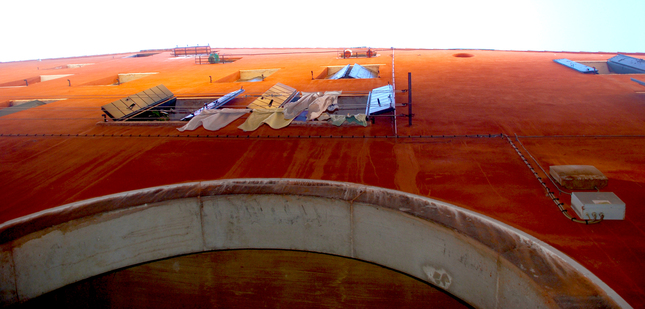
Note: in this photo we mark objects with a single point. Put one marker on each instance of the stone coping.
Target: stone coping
(560, 278)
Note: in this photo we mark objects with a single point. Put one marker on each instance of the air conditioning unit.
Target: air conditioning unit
(590, 205)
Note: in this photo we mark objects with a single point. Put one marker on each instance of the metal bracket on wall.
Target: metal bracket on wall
(409, 104)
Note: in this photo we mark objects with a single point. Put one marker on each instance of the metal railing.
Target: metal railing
(192, 50)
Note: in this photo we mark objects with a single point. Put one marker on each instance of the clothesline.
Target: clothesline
(314, 104)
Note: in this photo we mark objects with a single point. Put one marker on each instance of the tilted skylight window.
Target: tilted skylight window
(619, 64)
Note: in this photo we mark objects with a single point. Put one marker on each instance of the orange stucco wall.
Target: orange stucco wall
(523, 93)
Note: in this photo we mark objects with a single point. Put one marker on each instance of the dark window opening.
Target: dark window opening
(378, 101)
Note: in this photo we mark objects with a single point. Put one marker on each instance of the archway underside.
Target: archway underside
(250, 279)
(481, 261)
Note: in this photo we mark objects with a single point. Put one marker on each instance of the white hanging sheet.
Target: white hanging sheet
(214, 119)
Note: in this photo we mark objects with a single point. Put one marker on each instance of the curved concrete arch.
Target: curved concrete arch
(479, 260)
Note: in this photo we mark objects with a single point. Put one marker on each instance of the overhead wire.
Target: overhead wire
(550, 193)
(538, 165)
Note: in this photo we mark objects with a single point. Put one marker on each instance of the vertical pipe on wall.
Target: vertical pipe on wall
(409, 98)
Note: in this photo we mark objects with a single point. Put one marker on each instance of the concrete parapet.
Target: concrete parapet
(479, 260)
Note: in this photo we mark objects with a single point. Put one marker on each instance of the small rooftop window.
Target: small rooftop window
(355, 71)
(69, 66)
(78, 65)
(248, 76)
(619, 64)
(33, 80)
(118, 79)
(21, 105)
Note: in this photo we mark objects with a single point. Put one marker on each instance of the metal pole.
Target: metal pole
(410, 98)
(396, 129)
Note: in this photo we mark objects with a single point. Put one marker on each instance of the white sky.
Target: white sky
(50, 29)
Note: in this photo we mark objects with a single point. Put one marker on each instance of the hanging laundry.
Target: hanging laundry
(338, 120)
(214, 119)
(333, 107)
(358, 118)
(274, 117)
(293, 109)
(321, 104)
(323, 117)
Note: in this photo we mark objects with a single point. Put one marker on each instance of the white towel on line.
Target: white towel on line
(214, 119)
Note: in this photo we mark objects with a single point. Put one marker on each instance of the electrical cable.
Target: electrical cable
(538, 164)
(550, 193)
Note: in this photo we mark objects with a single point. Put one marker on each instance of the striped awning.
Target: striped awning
(137, 103)
(380, 99)
(276, 96)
